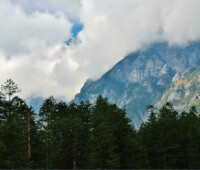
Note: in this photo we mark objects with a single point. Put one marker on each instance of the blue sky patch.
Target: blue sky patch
(77, 27)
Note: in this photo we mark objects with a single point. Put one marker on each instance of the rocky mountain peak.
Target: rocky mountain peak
(143, 77)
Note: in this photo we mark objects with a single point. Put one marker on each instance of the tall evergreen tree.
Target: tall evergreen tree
(97, 136)
(10, 88)
(47, 115)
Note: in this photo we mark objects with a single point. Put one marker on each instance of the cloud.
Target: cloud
(50, 71)
(70, 7)
(32, 51)
(31, 47)
(114, 28)
(181, 22)
(21, 32)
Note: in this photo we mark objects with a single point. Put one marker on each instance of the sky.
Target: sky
(33, 36)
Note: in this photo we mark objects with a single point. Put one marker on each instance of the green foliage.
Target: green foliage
(172, 140)
(16, 154)
(98, 136)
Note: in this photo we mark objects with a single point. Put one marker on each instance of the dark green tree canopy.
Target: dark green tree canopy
(94, 136)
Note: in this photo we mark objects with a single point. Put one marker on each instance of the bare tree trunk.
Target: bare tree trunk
(29, 134)
(48, 143)
(74, 155)
(74, 164)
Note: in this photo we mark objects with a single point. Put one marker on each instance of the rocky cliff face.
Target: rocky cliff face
(184, 91)
(144, 77)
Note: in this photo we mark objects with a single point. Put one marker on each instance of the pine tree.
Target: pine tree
(16, 155)
(10, 88)
(47, 115)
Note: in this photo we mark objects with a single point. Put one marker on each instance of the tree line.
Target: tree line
(94, 136)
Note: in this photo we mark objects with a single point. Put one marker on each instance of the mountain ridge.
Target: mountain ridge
(142, 77)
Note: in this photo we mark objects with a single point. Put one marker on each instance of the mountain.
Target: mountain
(151, 76)
(184, 91)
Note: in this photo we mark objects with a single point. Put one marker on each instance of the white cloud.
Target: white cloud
(50, 71)
(70, 7)
(31, 46)
(114, 28)
(181, 21)
(32, 35)
(21, 32)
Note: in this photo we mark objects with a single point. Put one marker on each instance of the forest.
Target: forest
(94, 136)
